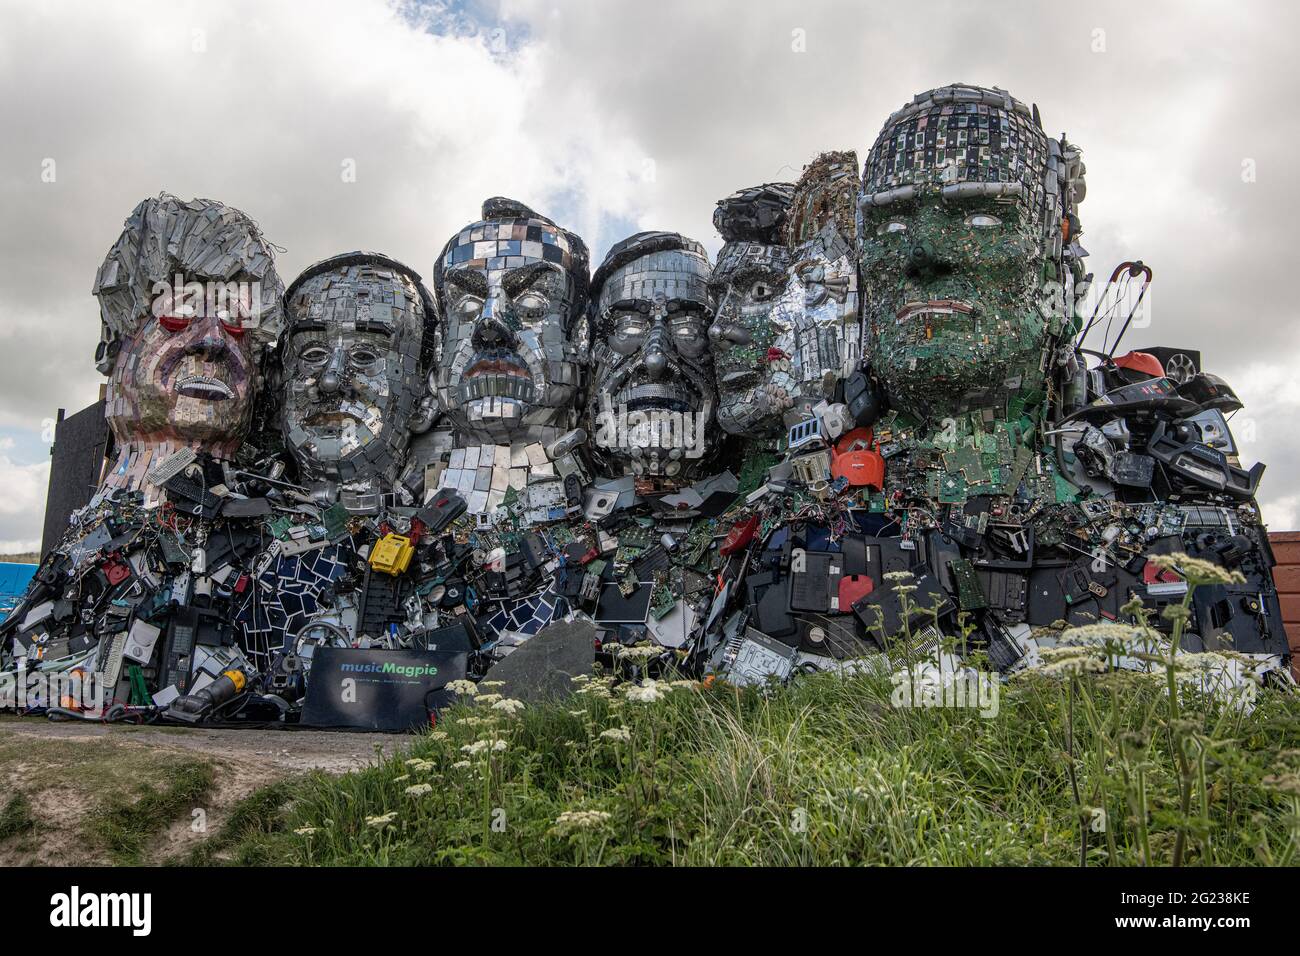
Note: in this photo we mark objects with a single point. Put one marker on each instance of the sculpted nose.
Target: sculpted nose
(210, 340)
(924, 260)
(491, 328)
(332, 377)
(656, 352)
(725, 333)
(656, 363)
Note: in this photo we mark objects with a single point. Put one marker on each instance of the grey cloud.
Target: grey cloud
(710, 93)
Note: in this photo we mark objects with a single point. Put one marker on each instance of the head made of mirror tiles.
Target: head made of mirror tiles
(967, 227)
(357, 346)
(188, 298)
(512, 289)
(745, 283)
(808, 336)
(653, 403)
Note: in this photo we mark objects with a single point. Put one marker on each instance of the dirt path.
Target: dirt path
(65, 773)
(288, 751)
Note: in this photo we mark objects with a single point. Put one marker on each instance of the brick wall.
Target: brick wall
(1286, 548)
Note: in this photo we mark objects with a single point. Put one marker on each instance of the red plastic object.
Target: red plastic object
(740, 536)
(1143, 362)
(1153, 574)
(115, 570)
(853, 588)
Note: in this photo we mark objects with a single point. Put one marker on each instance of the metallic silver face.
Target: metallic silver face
(781, 343)
(653, 398)
(509, 360)
(351, 367)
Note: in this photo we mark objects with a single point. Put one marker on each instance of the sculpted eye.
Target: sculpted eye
(364, 355)
(469, 306)
(313, 355)
(762, 291)
(531, 302)
(982, 220)
(174, 323)
(689, 326)
(894, 225)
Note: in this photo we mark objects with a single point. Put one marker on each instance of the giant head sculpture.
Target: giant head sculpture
(809, 335)
(512, 289)
(966, 248)
(745, 284)
(354, 359)
(652, 404)
(188, 298)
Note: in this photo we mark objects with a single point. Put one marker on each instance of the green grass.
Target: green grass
(240, 840)
(16, 817)
(1093, 768)
(125, 822)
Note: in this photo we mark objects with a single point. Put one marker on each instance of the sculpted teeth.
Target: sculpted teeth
(935, 307)
(204, 383)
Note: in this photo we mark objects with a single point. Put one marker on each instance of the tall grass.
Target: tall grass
(1076, 767)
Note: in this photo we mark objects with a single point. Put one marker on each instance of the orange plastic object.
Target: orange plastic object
(1143, 362)
(855, 459)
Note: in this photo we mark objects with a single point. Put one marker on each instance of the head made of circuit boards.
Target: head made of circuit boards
(966, 249)
(816, 324)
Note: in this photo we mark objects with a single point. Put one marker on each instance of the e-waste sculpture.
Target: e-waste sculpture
(889, 375)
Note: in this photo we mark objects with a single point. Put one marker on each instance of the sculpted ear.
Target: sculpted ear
(425, 414)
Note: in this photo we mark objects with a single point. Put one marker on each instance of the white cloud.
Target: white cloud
(627, 111)
(22, 504)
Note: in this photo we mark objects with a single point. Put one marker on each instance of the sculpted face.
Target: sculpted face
(953, 250)
(352, 379)
(509, 360)
(188, 298)
(746, 284)
(653, 400)
(815, 324)
(183, 379)
(776, 362)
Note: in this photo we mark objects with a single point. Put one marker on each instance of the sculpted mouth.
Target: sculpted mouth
(498, 364)
(649, 396)
(934, 307)
(327, 419)
(499, 376)
(203, 387)
(743, 376)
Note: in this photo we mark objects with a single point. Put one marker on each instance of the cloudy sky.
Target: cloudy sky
(618, 115)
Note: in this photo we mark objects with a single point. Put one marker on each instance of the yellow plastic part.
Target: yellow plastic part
(392, 554)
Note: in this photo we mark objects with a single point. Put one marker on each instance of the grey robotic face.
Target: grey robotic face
(510, 356)
(351, 369)
(653, 395)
